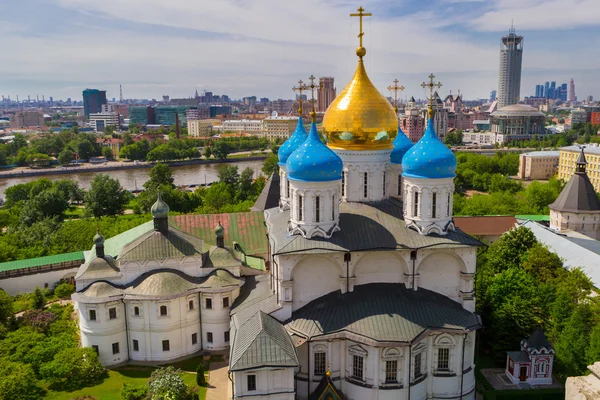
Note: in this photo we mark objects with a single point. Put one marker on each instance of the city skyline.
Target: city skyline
(262, 47)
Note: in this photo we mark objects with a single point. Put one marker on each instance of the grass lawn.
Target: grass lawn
(110, 389)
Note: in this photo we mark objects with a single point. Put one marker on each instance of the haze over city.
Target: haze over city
(244, 48)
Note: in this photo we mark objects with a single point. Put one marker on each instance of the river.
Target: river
(132, 179)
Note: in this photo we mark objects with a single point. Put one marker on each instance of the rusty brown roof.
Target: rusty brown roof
(485, 225)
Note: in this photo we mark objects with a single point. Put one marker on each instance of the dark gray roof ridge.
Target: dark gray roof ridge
(269, 197)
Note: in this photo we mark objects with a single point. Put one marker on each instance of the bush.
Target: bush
(39, 320)
(64, 290)
(200, 379)
(131, 392)
(39, 300)
(73, 369)
(167, 383)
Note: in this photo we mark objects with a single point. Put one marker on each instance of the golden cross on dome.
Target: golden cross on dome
(396, 89)
(300, 88)
(312, 87)
(431, 85)
(361, 51)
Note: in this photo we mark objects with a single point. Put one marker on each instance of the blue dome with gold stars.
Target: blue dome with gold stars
(313, 161)
(293, 142)
(429, 157)
(401, 145)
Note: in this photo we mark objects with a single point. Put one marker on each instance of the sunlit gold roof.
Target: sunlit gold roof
(360, 117)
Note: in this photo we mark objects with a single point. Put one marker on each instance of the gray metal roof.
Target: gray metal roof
(163, 283)
(589, 149)
(221, 257)
(154, 245)
(98, 268)
(256, 295)
(519, 356)
(578, 195)
(269, 197)
(386, 312)
(364, 226)
(574, 250)
(538, 340)
(262, 342)
(547, 153)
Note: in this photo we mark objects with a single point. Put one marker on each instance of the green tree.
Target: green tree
(540, 262)
(245, 184)
(207, 152)
(228, 174)
(454, 138)
(507, 251)
(166, 383)
(17, 381)
(65, 157)
(200, 378)
(221, 149)
(49, 203)
(217, 196)
(38, 300)
(270, 165)
(160, 175)
(573, 343)
(64, 290)
(106, 196)
(6, 307)
(131, 392)
(73, 368)
(107, 152)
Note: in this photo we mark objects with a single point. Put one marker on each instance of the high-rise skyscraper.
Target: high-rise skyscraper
(93, 99)
(539, 90)
(572, 96)
(493, 94)
(326, 93)
(511, 57)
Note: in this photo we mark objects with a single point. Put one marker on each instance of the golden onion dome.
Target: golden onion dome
(360, 117)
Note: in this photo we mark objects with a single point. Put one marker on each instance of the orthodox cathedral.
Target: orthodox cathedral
(367, 286)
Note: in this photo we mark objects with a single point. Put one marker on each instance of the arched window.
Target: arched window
(319, 360)
(399, 184)
(416, 204)
(365, 185)
(333, 207)
(384, 181)
(163, 311)
(191, 304)
(434, 205)
(343, 183)
(136, 311)
(300, 208)
(317, 208)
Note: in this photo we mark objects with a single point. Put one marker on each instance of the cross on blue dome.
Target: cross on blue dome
(313, 161)
(429, 158)
(293, 142)
(401, 145)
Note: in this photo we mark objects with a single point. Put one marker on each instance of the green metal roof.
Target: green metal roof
(364, 226)
(113, 245)
(41, 261)
(255, 262)
(154, 245)
(248, 229)
(386, 312)
(262, 342)
(537, 218)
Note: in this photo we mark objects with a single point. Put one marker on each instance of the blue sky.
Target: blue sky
(262, 47)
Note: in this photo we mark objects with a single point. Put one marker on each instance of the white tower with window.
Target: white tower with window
(428, 171)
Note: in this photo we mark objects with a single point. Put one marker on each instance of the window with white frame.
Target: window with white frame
(365, 185)
(317, 208)
(300, 208)
(384, 183)
(163, 311)
(391, 371)
(343, 183)
(333, 207)
(443, 360)
(251, 381)
(416, 204)
(448, 205)
(418, 365)
(399, 184)
(358, 371)
(320, 362)
(434, 205)
(92, 315)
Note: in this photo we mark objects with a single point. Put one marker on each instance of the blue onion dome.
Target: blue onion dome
(313, 161)
(160, 209)
(429, 157)
(401, 145)
(293, 142)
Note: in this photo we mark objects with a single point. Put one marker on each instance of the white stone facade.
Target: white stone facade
(366, 175)
(428, 204)
(284, 188)
(582, 222)
(315, 209)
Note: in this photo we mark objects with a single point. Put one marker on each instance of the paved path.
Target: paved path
(219, 385)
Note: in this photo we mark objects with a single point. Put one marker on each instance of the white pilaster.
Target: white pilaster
(367, 175)
(314, 208)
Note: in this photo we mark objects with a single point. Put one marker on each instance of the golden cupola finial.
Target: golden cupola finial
(312, 87)
(300, 88)
(360, 117)
(431, 85)
(396, 89)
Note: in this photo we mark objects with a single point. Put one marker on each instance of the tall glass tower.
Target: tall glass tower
(511, 57)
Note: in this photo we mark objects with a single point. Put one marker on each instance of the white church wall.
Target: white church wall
(440, 272)
(375, 164)
(585, 223)
(313, 277)
(104, 331)
(131, 270)
(379, 267)
(28, 283)
(271, 384)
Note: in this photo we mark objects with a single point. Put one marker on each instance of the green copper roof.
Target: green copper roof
(381, 311)
(262, 342)
(154, 245)
(538, 218)
(42, 261)
(248, 229)
(113, 245)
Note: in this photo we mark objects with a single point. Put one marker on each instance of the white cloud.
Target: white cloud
(539, 14)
